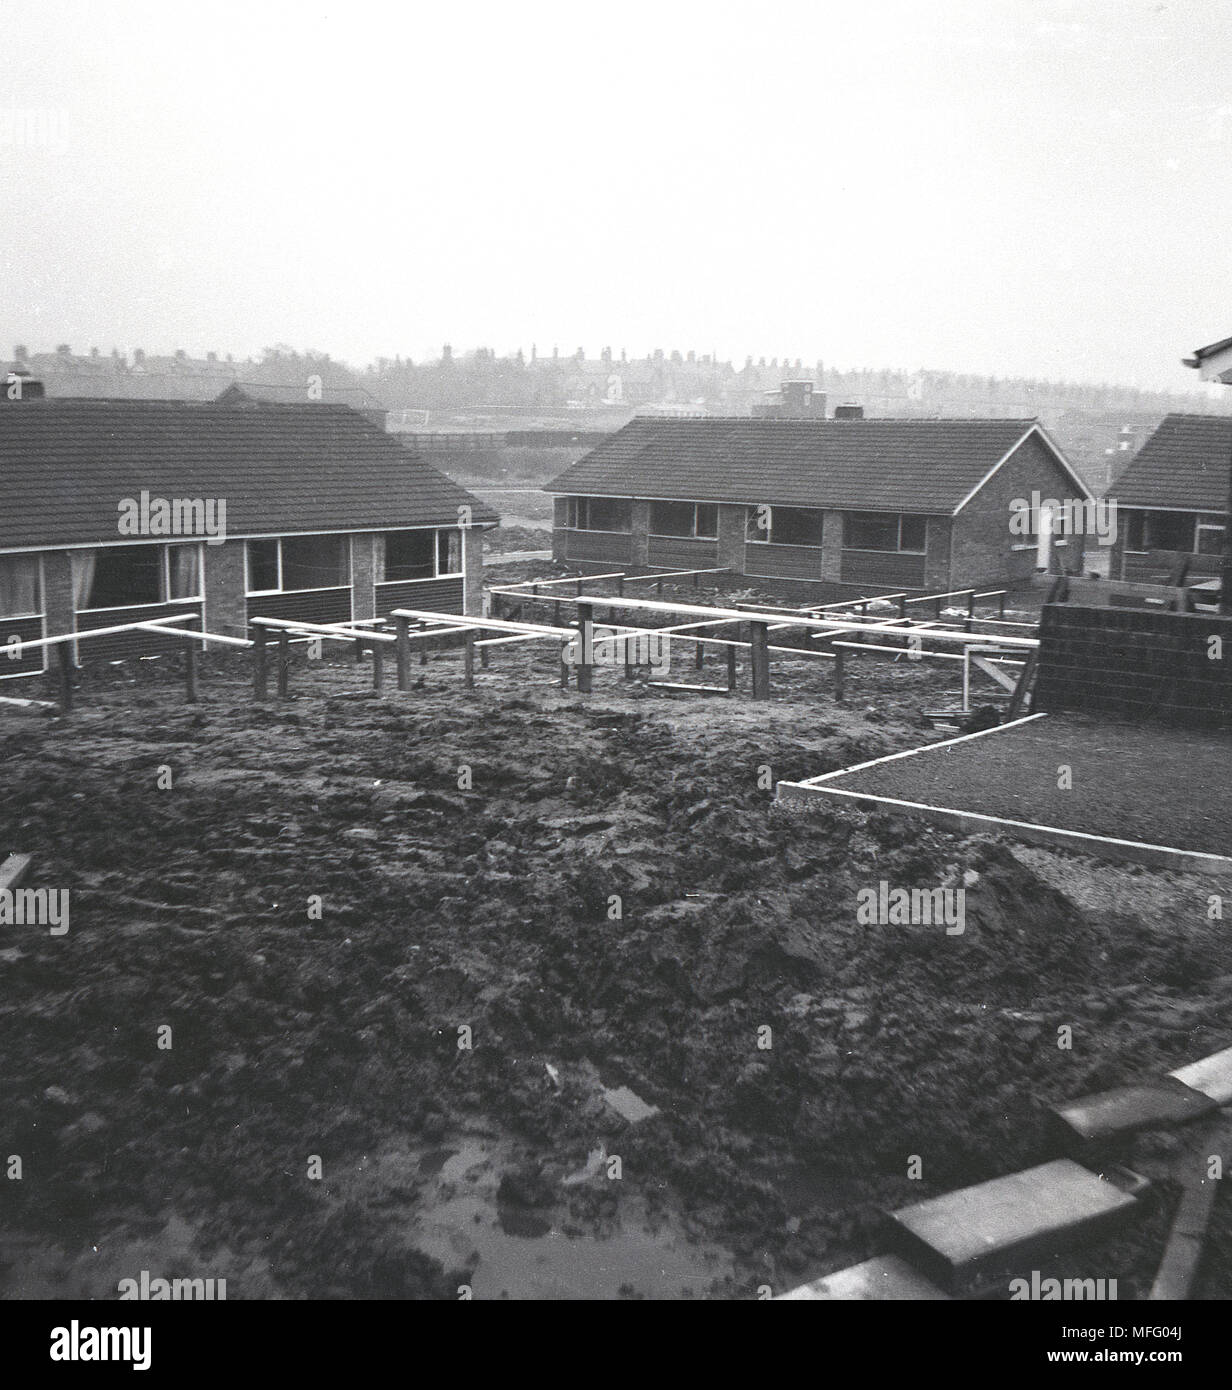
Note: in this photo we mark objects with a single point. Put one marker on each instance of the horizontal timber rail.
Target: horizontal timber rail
(641, 605)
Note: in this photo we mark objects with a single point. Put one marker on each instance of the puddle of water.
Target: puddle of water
(518, 1252)
(37, 1269)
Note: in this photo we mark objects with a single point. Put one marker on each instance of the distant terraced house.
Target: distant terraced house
(1172, 501)
(888, 505)
(119, 511)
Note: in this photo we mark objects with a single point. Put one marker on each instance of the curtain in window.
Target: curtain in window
(185, 568)
(83, 578)
(19, 586)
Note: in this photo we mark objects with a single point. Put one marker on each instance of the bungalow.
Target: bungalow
(883, 504)
(1171, 501)
(117, 511)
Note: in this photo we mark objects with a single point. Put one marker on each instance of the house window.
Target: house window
(448, 551)
(1209, 538)
(884, 531)
(20, 590)
(1135, 531)
(693, 519)
(426, 554)
(130, 576)
(264, 576)
(1170, 531)
(599, 514)
(298, 562)
(784, 525)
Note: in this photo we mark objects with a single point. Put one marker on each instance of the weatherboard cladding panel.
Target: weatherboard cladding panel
(885, 569)
(681, 552)
(872, 465)
(308, 606)
(1184, 464)
(65, 467)
(783, 561)
(612, 546)
(431, 595)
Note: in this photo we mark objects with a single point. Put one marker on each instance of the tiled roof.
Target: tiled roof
(925, 466)
(280, 393)
(65, 466)
(1185, 463)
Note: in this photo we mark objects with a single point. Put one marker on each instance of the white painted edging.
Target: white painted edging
(912, 752)
(1051, 836)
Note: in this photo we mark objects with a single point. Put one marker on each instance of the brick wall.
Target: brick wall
(472, 554)
(731, 538)
(363, 574)
(983, 555)
(1136, 664)
(226, 606)
(639, 549)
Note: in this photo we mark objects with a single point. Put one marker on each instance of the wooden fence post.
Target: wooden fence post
(284, 663)
(839, 655)
(468, 660)
(731, 668)
(586, 645)
(378, 665)
(760, 653)
(64, 654)
(260, 664)
(190, 670)
(403, 650)
(970, 610)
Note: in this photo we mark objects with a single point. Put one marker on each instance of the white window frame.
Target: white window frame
(349, 583)
(694, 534)
(437, 572)
(572, 501)
(751, 513)
(42, 587)
(1199, 527)
(898, 550)
(164, 582)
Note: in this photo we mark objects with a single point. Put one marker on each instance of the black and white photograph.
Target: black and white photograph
(615, 670)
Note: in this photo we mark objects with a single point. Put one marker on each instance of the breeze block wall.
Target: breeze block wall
(1134, 663)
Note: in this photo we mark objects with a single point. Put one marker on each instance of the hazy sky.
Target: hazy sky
(1033, 187)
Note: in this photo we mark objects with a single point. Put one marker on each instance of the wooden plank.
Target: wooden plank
(1183, 1253)
(1112, 1114)
(884, 1279)
(967, 1236)
(1051, 836)
(826, 625)
(1211, 1075)
(14, 870)
(35, 643)
(689, 689)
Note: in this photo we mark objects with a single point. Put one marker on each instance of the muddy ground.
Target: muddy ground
(490, 907)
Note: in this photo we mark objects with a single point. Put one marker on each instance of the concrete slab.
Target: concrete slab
(979, 1232)
(1212, 1076)
(1107, 1115)
(885, 1279)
